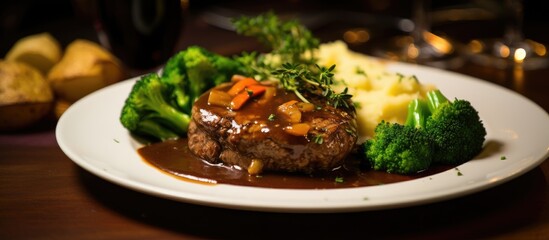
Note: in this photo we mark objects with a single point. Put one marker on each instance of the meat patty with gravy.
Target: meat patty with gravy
(267, 135)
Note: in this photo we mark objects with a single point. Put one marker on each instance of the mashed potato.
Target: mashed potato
(378, 93)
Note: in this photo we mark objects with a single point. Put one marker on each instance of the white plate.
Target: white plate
(90, 134)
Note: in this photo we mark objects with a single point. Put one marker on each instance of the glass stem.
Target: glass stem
(421, 21)
(513, 28)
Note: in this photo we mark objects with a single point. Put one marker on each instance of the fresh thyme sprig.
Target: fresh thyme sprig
(300, 79)
(255, 65)
(288, 39)
(296, 70)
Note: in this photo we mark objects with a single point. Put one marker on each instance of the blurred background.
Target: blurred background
(69, 19)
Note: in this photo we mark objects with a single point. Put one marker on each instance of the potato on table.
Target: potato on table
(41, 51)
(84, 68)
(25, 96)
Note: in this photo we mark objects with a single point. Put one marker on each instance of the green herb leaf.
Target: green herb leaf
(296, 71)
(250, 92)
(301, 79)
(288, 39)
(318, 139)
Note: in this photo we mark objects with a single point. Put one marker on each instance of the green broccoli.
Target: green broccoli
(159, 107)
(403, 149)
(437, 131)
(147, 112)
(144, 126)
(455, 127)
(193, 71)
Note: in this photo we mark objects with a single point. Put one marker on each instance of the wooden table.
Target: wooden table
(44, 195)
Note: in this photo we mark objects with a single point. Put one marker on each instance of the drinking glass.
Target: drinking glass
(421, 45)
(512, 49)
(143, 34)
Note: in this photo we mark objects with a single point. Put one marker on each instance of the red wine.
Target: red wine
(142, 33)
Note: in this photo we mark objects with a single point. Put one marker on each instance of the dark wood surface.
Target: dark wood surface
(44, 195)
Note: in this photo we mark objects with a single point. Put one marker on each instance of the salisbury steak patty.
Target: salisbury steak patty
(259, 137)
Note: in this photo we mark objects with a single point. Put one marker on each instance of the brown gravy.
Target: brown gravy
(174, 157)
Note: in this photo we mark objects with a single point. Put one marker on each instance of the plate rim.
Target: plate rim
(328, 206)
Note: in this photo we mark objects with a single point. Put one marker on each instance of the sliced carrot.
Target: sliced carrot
(240, 85)
(236, 78)
(255, 90)
(239, 100)
(298, 129)
(250, 91)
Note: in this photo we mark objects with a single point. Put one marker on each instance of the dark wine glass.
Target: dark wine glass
(421, 45)
(143, 34)
(512, 50)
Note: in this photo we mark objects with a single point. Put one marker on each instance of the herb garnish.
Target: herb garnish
(292, 45)
(287, 39)
(300, 79)
(350, 131)
(318, 139)
(250, 92)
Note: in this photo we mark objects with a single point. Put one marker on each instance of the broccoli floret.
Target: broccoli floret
(174, 75)
(226, 68)
(147, 112)
(403, 149)
(455, 127)
(134, 122)
(437, 131)
(160, 106)
(193, 71)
